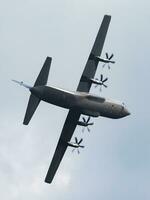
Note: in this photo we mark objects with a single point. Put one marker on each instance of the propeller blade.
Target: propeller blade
(88, 129)
(107, 56)
(100, 88)
(84, 120)
(83, 129)
(73, 150)
(78, 151)
(80, 141)
(105, 80)
(105, 85)
(90, 124)
(101, 77)
(76, 140)
(104, 65)
(88, 119)
(82, 146)
(111, 56)
(113, 62)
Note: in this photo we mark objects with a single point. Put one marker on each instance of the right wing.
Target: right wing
(67, 132)
(92, 63)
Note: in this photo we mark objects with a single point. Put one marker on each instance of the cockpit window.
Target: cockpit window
(114, 101)
(117, 102)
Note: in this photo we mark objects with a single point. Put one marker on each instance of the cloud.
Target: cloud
(115, 161)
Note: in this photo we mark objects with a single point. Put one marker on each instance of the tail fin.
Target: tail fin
(43, 75)
(33, 100)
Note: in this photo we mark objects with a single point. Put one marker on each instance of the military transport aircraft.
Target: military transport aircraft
(78, 102)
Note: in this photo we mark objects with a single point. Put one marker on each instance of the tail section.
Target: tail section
(21, 83)
(43, 75)
(32, 105)
(33, 100)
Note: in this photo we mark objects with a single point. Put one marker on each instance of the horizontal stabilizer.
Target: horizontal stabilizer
(43, 75)
(32, 105)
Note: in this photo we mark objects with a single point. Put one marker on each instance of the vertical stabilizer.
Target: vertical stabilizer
(43, 75)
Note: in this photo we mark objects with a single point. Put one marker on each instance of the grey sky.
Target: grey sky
(115, 163)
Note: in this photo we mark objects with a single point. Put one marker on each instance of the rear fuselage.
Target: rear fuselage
(86, 103)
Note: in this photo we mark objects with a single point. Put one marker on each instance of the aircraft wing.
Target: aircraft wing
(65, 137)
(91, 65)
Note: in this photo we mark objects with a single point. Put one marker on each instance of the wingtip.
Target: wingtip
(48, 178)
(48, 58)
(48, 181)
(25, 123)
(107, 16)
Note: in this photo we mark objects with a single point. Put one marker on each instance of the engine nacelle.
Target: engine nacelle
(104, 60)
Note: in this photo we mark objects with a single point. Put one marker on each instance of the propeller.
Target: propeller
(101, 81)
(21, 83)
(86, 122)
(78, 144)
(109, 60)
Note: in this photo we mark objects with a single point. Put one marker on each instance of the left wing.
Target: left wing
(67, 132)
(92, 63)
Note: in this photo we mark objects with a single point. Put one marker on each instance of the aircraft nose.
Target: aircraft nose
(126, 112)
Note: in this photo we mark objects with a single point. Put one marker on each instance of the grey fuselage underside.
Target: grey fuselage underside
(86, 103)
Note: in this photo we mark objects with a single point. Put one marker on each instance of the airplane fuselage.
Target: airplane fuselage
(86, 103)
